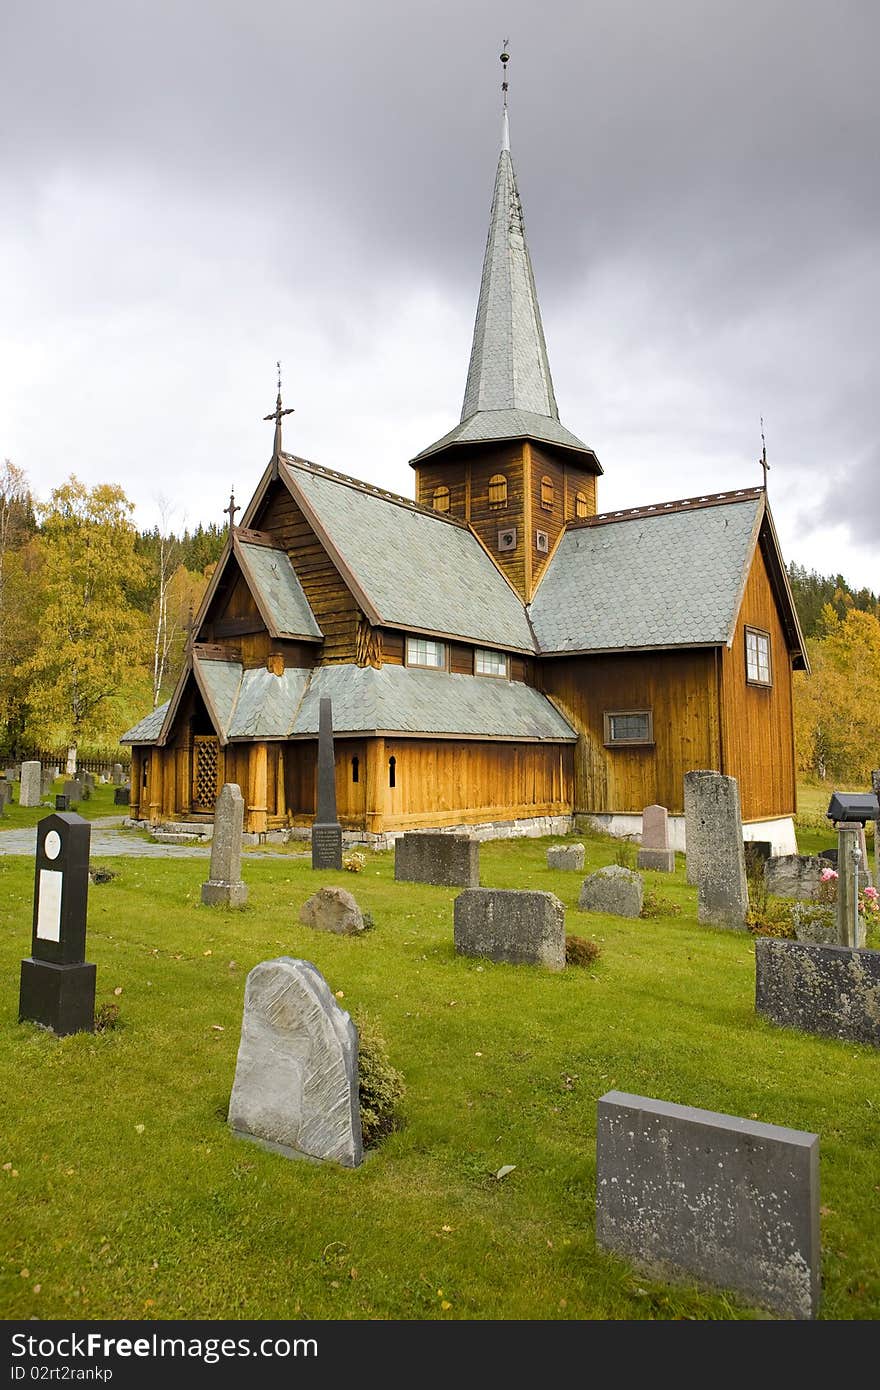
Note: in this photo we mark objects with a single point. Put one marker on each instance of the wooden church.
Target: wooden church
(498, 652)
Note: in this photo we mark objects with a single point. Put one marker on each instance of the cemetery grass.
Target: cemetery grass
(99, 804)
(124, 1195)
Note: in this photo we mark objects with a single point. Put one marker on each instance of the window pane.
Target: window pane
(489, 663)
(630, 727)
(758, 656)
(421, 651)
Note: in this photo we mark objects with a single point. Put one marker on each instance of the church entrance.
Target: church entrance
(205, 772)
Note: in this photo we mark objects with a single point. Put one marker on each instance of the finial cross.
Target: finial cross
(231, 510)
(763, 459)
(278, 413)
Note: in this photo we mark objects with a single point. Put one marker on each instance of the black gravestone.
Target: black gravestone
(326, 830)
(60, 801)
(122, 796)
(57, 983)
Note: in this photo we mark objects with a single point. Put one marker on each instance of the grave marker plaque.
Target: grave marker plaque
(57, 983)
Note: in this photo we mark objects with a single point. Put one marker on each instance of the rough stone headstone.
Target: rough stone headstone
(31, 784)
(511, 925)
(10, 774)
(326, 830)
(46, 781)
(655, 852)
(89, 780)
(566, 857)
(614, 890)
(121, 796)
(296, 1078)
(694, 837)
(692, 1193)
(5, 793)
(794, 875)
(73, 791)
(225, 886)
(817, 923)
(830, 990)
(428, 856)
(722, 889)
(333, 910)
(57, 983)
(117, 776)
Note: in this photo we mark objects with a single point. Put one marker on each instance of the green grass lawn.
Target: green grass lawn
(99, 804)
(124, 1195)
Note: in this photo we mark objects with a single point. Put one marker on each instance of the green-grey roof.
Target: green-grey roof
(219, 682)
(266, 705)
(666, 580)
(417, 570)
(148, 729)
(508, 424)
(278, 591)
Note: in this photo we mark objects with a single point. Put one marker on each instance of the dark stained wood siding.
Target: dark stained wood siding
(757, 722)
(393, 647)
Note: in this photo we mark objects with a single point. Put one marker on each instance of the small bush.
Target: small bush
(354, 861)
(655, 905)
(625, 854)
(106, 1017)
(579, 951)
(101, 874)
(381, 1085)
(772, 918)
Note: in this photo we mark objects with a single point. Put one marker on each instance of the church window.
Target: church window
(497, 490)
(628, 726)
(548, 493)
(392, 771)
(355, 769)
(421, 651)
(441, 499)
(758, 670)
(489, 663)
(581, 505)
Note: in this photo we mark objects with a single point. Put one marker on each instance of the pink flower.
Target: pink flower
(827, 875)
(871, 893)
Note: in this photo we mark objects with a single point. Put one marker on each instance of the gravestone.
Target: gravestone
(46, 782)
(694, 829)
(333, 910)
(566, 857)
(5, 793)
(296, 1077)
(73, 791)
(614, 890)
(722, 889)
(695, 1194)
(10, 774)
(655, 852)
(430, 856)
(121, 796)
(510, 925)
(61, 802)
(57, 983)
(70, 767)
(326, 830)
(817, 923)
(225, 887)
(89, 780)
(117, 775)
(794, 875)
(31, 791)
(829, 990)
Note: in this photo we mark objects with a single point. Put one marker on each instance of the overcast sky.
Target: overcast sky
(190, 189)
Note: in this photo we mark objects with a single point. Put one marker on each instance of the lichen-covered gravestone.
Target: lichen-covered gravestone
(655, 852)
(429, 856)
(296, 1078)
(511, 925)
(722, 888)
(566, 857)
(830, 990)
(31, 791)
(225, 886)
(334, 910)
(614, 890)
(794, 875)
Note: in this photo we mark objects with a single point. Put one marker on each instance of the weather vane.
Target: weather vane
(505, 59)
(763, 459)
(277, 413)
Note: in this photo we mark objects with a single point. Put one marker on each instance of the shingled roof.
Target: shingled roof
(277, 590)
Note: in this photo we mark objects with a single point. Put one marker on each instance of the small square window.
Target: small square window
(421, 651)
(489, 663)
(629, 726)
(758, 669)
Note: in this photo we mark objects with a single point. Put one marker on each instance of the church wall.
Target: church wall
(680, 689)
(757, 721)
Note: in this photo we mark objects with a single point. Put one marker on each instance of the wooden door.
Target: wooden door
(206, 772)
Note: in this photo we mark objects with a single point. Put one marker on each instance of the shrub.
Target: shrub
(625, 854)
(579, 951)
(772, 918)
(354, 861)
(106, 1017)
(655, 905)
(381, 1085)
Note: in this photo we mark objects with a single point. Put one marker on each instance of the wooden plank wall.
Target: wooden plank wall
(567, 482)
(449, 782)
(757, 722)
(681, 690)
(300, 778)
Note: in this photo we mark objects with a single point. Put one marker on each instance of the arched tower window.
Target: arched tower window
(548, 493)
(581, 505)
(441, 499)
(392, 771)
(498, 490)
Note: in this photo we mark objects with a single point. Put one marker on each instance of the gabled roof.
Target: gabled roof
(276, 589)
(500, 425)
(406, 565)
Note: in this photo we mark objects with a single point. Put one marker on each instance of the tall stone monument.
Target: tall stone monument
(225, 887)
(716, 823)
(57, 982)
(326, 830)
(31, 791)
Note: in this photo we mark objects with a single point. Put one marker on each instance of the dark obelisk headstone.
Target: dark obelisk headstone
(57, 983)
(326, 830)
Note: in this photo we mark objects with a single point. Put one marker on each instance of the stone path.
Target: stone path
(110, 840)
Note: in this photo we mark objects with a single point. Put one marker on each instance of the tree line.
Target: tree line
(95, 615)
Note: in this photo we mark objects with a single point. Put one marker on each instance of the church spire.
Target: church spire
(509, 368)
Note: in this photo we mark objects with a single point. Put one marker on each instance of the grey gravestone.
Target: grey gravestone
(614, 890)
(89, 780)
(566, 857)
(57, 983)
(116, 775)
(333, 910)
(426, 856)
(794, 875)
(694, 839)
(655, 852)
(326, 830)
(511, 925)
(46, 781)
(722, 889)
(31, 792)
(5, 793)
(692, 1193)
(225, 887)
(73, 791)
(121, 796)
(817, 923)
(296, 1078)
(830, 990)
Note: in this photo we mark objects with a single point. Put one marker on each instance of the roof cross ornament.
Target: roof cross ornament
(505, 126)
(763, 459)
(231, 510)
(277, 414)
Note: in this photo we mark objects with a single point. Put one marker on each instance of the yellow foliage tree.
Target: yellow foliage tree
(837, 731)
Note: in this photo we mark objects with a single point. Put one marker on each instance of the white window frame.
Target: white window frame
(496, 662)
(757, 644)
(611, 742)
(426, 653)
